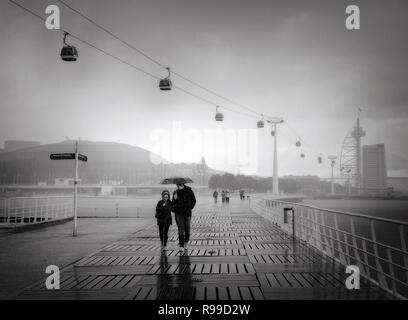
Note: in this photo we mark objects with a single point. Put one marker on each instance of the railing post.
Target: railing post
(339, 244)
(404, 249)
(303, 224)
(355, 247)
(42, 213)
(46, 209)
(8, 210)
(36, 210)
(313, 227)
(22, 213)
(325, 237)
(381, 278)
(366, 261)
(392, 274)
(307, 223)
(3, 210)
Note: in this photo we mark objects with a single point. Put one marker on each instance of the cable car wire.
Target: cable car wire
(112, 34)
(85, 42)
(294, 132)
(127, 63)
(147, 56)
(162, 65)
(156, 61)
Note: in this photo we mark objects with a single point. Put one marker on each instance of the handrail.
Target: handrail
(34, 210)
(38, 197)
(334, 234)
(356, 215)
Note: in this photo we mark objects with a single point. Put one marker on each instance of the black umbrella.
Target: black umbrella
(176, 180)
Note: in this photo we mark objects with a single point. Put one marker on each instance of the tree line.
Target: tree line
(249, 183)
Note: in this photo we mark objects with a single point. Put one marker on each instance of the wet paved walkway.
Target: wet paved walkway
(233, 254)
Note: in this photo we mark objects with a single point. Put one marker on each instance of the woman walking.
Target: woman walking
(227, 196)
(164, 220)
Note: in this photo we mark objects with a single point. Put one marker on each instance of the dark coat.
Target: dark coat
(185, 201)
(163, 213)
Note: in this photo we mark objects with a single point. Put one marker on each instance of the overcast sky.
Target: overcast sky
(293, 59)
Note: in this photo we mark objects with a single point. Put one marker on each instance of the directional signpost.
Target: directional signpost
(62, 156)
(77, 157)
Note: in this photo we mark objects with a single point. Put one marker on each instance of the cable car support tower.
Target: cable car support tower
(350, 160)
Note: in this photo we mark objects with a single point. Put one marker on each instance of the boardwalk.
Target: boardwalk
(233, 254)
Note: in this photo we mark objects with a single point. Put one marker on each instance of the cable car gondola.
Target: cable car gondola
(219, 116)
(302, 155)
(273, 133)
(260, 124)
(68, 52)
(320, 159)
(165, 83)
(298, 143)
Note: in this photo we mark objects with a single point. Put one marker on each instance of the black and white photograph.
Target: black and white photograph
(206, 155)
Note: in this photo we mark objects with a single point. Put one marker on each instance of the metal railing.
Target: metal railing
(378, 246)
(24, 210)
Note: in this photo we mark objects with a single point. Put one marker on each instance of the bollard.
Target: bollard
(285, 214)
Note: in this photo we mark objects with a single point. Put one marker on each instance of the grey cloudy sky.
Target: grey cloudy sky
(293, 59)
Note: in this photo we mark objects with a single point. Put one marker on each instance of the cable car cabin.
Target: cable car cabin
(273, 133)
(319, 160)
(165, 84)
(302, 155)
(260, 124)
(219, 116)
(69, 53)
(298, 144)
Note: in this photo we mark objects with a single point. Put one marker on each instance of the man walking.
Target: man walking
(183, 203)
(215, 196)
(223, 196)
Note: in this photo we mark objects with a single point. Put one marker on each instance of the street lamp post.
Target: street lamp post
(75, 228)
(275, 182)
(332, 163)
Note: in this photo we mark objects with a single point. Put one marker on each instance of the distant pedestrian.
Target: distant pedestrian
(227, 196)
(163, 216)
(223, 196)
(183, 203)
(215, 195)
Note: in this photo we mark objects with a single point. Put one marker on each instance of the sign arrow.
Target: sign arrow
(83, 158)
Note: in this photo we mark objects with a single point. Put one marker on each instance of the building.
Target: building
(307, 185)
(374, 169)
(13, 145)
(398, 184)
